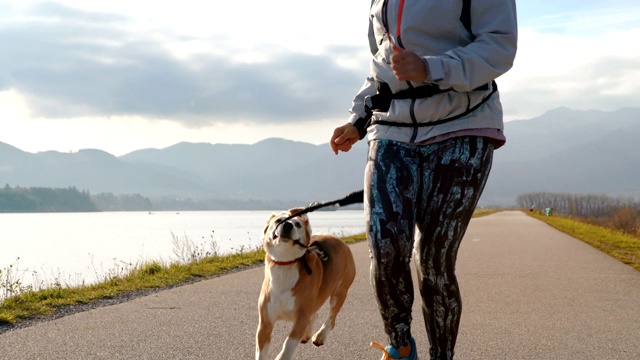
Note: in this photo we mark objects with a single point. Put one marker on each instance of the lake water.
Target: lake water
(76, 248)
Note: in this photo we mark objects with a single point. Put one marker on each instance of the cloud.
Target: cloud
(70, 63)
(580, 71)
(583, 17)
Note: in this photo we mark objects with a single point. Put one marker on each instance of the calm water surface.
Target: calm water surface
(83, 247)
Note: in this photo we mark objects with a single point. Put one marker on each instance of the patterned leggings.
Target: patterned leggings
(427, 193)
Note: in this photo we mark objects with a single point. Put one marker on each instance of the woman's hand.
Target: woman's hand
(408, 66)
(343, 138)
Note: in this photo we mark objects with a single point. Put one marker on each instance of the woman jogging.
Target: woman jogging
(432, 114)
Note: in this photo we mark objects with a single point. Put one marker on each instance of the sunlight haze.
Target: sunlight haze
(125, 75)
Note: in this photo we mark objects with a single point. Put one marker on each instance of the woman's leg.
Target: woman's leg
(391, 187)
(454, 174)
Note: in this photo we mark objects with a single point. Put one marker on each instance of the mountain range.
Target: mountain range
(563, 150)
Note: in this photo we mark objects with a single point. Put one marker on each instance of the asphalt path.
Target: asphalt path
(529, 292)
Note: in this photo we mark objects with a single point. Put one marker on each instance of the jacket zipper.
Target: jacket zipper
(414, 135)
(385, 23)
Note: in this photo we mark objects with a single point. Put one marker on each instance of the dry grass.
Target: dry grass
(30, 303)
(194, 262)
(618, 244)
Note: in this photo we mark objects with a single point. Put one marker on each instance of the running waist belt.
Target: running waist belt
(381, 102)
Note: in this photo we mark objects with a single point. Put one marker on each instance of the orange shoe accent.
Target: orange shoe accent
(406, 352)
(378, 345)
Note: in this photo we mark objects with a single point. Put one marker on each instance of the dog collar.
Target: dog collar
(286, 262)
(301, 258)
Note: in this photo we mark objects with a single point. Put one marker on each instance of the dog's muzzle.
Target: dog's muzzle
(285, 232)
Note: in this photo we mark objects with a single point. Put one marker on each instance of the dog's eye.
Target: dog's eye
(298, 225)
(278, 221)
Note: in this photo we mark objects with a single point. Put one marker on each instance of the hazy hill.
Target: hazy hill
(270, 169)
(561, 151)
(561, 129)
(568, 151)
(93, 170)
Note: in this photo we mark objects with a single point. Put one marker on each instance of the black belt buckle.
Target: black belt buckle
(377, 102)
(368, 104)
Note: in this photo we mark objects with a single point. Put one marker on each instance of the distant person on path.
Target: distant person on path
(432, 114)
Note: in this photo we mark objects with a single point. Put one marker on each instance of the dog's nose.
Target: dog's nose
(287, 226)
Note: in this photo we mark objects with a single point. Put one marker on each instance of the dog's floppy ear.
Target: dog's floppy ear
(296, 210)
(266, 227)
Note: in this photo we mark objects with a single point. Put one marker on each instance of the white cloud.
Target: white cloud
(12, 106)
(578, 71)
(82, 68)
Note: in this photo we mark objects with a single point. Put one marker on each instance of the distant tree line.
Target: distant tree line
(38, 199)
(579, 205)
(122, 202)
(188, 204)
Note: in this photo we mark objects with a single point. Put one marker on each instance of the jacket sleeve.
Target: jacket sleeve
(491, 53)
(357, 111)
(358, 114)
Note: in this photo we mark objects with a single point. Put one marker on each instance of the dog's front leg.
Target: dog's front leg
(263, 338)
(290, 345)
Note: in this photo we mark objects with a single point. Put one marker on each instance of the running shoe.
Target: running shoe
(391, 353)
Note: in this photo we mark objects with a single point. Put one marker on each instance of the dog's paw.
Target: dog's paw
(319, 338)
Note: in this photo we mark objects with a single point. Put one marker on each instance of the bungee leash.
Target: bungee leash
(353, 198)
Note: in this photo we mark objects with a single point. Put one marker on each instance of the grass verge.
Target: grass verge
(617, 244)
(484, 212)
(151, 275)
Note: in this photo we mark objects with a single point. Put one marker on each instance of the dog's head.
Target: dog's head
(286, 240)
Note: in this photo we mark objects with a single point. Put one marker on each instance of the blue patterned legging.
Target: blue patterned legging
(427, 193)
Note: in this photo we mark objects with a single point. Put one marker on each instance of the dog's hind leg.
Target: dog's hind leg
(307, 331)
(337, 300)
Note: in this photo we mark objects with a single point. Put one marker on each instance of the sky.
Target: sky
(125, 75)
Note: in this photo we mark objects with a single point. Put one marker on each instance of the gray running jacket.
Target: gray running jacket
(456, 59)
